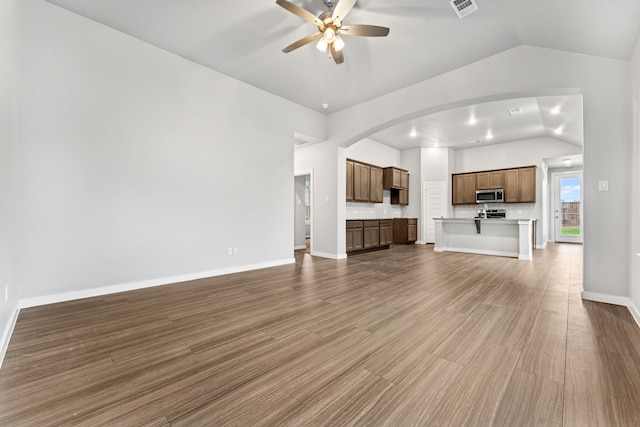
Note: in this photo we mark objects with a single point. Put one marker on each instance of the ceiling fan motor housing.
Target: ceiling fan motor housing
(329, 3)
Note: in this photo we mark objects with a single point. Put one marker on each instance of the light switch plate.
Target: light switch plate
(603, 185)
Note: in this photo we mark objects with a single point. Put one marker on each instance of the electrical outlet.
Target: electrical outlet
(229, 251)
(235, 251)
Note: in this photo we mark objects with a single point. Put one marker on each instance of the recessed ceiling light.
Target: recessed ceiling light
(475, 141)
(413, 133)
(567, 162)
(489, 135)
(559, 130)
(515, 111)
(325, 105)
(555, 110)
(473, 121)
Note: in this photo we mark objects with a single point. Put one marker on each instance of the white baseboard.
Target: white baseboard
(421, 242)
(605, 298)
(543, 246)
(297, 248)
(615, 300)
(6, 334)
(131, 286)
(328, 255)
(634, 312)
(479, 252)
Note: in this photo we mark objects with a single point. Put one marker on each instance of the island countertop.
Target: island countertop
(510, 237)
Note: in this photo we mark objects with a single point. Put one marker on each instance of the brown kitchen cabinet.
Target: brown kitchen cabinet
(375, 184)
(519, 185)
(371, 234)
(463, 188)
(349, 181)
(354, 237)
(386, 232)
(405, 230)
(396, 180)
(527, 184)
(489, 180)
(368, 234)
(361, 177)
(363, 182)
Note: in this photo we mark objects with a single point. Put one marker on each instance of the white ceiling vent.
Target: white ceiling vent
(462, 8)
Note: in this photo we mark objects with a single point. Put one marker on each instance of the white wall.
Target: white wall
(513, 154)
(634, 271)
(321, 158)
(9, 166)
(142, 166)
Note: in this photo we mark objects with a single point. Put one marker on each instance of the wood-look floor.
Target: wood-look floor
(401, 337)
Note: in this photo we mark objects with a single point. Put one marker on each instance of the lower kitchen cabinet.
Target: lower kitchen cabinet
(386, 232)
(369, 234)
(355, 238)
(405, 230)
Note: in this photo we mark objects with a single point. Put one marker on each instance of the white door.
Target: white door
(567, 211)
(435, 205)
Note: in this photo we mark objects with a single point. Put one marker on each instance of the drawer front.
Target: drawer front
(354, 224)
(371, 223)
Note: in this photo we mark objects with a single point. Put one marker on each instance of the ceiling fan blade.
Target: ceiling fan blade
(337, 55)
(364, 30)
(304, 14)
(302, 42)
(342, 9)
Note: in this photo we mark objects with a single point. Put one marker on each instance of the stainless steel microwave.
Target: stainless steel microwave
(490, 196)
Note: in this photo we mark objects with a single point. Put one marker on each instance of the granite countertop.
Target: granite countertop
(485, 219)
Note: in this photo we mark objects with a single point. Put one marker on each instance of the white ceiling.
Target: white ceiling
(558, 117)
(244, 38)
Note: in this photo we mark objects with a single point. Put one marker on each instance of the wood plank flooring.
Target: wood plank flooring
(401, 337)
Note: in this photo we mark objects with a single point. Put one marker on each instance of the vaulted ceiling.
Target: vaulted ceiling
(244, 39)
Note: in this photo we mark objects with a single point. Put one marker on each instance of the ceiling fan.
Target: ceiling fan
(330, 28)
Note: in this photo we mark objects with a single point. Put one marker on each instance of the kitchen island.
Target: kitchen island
(487, 236)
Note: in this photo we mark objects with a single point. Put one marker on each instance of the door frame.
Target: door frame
(556, 206)
(304, 172)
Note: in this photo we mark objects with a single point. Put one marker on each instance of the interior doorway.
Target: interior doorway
(303, 217)
(568, 207)
(435, 206)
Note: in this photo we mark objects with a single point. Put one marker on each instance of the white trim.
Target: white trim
(543, 246)
(615, 300)
(480, 252)
(634, 312)
(297, 248)
(303, 172)
(6, 334)
(421, 242)
(328, 255)
(605, 298)
(131, 286)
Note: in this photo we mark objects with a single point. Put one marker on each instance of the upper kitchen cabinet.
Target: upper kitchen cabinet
(364, 182)
(396, 180)
(489, 180)
(527, 184)
(520, 185)
(464, 189)
(361, 177)
(375, 182)
(349, 181)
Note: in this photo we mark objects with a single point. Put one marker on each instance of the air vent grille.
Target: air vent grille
(463, 8)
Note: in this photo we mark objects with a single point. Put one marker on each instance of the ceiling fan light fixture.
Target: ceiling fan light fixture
(329, 35)
(322, 45)
(338, 43)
